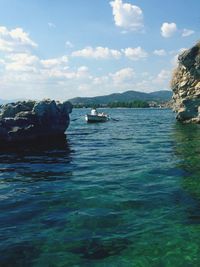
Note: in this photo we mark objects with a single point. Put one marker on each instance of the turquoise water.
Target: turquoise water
(122, 193)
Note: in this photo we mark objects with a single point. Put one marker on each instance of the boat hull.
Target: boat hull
(96, 118)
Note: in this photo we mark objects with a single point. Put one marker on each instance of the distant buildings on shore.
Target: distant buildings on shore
(131, 104)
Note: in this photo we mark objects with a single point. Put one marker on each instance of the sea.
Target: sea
(125, 193)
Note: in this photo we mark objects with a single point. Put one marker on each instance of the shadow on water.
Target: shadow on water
(32, 194)
(39, 162)
(42, 150)
(40, 143)
(188, 151)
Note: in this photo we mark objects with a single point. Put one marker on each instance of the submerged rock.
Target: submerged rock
(186, 86)
(30, 121)
(100, 249)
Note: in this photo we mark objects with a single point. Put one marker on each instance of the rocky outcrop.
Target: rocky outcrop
(186, 86)
(31, 121)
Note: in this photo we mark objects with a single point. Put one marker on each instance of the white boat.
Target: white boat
(96, 116)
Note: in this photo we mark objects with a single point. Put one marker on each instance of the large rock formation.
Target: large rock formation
(186, 86)
(31, 121)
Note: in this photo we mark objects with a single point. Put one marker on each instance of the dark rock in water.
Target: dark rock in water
(99, 249)
(30, 122)
(19, 254)
(186, 86)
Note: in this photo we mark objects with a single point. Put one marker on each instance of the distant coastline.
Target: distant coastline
(132, 104)
(128, 99)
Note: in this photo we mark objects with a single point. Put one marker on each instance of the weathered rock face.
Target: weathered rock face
(29, 121)
(186, 86)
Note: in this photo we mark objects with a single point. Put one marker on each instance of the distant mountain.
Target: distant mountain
(123, 97)
(164, 95)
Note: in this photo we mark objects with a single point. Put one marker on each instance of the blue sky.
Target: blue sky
(62, 49)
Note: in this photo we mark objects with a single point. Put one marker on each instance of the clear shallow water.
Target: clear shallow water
(122, 193)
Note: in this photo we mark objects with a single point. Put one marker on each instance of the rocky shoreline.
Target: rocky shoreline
(31, 122)
(185, 85)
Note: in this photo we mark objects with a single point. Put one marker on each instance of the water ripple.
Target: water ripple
(122, 193)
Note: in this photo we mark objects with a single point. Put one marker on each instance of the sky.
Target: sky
(61, 49)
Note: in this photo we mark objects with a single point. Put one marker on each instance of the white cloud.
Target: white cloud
(127, 79)
(135, 53)
(2, 61)
(160, 52)
(127, 16)
(97, 53)
(174, 60)
(145, 74)
(162, 77)
(15, 40)
(20, 36)
(6, 46)
(21, 62)
(120, 80)
(144, 86)
(168, 29)
(123, 75)
(83, 73)
(101, 80)
(187, 32)
(152, 83)
(51, 25)
(63, 73)
(69, 44)
(83, 69)
(23, 74)
(53, 62)
(26, 75)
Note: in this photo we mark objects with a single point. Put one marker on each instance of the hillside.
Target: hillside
(160, 96)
